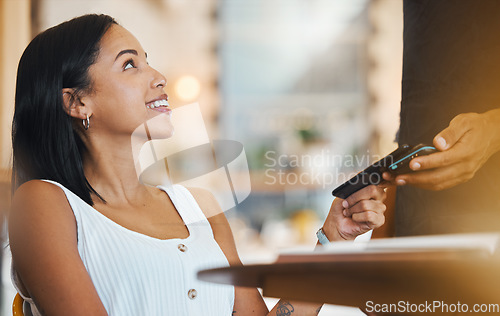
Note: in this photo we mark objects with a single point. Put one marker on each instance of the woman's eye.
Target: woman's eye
(128, 64)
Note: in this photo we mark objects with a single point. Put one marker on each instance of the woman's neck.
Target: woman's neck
(110, 167)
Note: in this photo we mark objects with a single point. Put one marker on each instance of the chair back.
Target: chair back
(17, 306)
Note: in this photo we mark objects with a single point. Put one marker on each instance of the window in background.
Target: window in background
(293, 91)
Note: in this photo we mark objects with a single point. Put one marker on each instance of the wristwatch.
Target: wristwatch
(322, 237)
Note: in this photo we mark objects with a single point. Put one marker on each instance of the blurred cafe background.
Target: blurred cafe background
(310, 88)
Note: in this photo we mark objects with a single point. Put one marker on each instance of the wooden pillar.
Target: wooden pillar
(15, 33)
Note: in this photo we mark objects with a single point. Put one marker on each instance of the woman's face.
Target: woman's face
(127, 92)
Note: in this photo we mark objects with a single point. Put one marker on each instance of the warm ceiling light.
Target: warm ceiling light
(187, 88)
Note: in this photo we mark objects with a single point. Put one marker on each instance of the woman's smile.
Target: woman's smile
(159, 104)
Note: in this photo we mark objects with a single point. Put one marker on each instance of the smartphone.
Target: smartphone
(402, 165)
(397, 162)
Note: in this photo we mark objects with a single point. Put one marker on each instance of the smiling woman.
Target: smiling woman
(87, 237)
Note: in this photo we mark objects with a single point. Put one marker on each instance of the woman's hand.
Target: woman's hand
(359, 213)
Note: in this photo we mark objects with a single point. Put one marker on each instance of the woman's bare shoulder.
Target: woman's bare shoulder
(36, 196)
(38, 205)
(36, 189)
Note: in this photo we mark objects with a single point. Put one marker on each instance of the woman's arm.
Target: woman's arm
(43, 241)
(363, 211)
(359, 213)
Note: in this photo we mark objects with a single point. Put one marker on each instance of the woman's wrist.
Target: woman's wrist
(332, 233)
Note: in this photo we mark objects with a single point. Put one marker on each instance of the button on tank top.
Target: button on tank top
(135, 274)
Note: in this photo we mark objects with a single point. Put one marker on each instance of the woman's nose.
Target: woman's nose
(159, 81)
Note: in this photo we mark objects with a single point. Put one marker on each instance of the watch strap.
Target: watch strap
(322, 237)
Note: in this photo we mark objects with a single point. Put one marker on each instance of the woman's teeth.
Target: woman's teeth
(157, 104)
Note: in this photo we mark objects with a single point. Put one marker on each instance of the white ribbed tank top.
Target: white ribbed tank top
(135, 274)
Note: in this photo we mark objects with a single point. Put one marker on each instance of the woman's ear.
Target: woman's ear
(73, 104)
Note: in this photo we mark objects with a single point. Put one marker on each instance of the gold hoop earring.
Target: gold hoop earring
(86, 123)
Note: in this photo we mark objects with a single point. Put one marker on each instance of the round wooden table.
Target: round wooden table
(417, 277)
